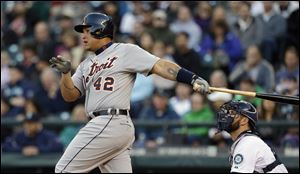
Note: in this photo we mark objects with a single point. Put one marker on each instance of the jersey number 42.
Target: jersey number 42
(107, 84)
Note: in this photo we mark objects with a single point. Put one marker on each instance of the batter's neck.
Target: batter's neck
(102, 42)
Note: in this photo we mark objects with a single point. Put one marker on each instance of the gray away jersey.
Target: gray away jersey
(108, 78)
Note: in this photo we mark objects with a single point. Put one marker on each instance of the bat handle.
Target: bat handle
(225, 90)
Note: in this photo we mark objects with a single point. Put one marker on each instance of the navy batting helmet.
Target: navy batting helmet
(100, 25)
(233, 107)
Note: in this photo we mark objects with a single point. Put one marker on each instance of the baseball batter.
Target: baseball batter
(106, 79)
(249, 153)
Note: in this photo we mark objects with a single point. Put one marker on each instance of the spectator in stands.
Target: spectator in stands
(70, 43)
(160, 29)
(289, 86)
(69, 132)
(141, 92)
(216, 100)
(130, 17)
(185, 23)
(184, 56)
(218, 79)
(33, 140)
(248, 28)
(49, 96)
(138, 30)
(32, 107)
(221, 48)
(5, 108)
(232, 12)
(8, 36)
(293, 30)
(274, 27)
(247, 84)
(200, 112)
(45, 46)
(5, 61)
(30, 61)
(268, 112)
(111, 8)
(285, 8)
(158, 111)
(172, 10)
(5, 113)
(159, 50)
(219, 14)
(64, 23)
(255, 67)
(18, 90)
(290, 67)
(291, 137)
(181, 102)
(18, 19)
(203, 16)
(146, 41)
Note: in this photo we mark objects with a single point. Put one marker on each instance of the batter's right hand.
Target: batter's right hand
(201, 85)
(60, 64)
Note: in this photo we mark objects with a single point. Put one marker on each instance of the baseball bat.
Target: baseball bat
(273, 97)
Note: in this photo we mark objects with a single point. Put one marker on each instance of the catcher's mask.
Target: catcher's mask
(233, 108)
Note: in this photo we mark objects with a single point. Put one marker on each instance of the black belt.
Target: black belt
(111, 112)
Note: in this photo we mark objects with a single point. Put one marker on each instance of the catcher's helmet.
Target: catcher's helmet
(100, 25)
(225, 116)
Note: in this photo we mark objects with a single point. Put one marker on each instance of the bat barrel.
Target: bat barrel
(273, 97)
(279, 98)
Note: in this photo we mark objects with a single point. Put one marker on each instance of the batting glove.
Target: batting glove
(201, 85)
(60, 64)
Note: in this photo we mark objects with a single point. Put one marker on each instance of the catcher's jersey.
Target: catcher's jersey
(107, 79)
(251, 154)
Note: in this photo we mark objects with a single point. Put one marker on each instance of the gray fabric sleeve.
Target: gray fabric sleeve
(78, 79)
(139, 60)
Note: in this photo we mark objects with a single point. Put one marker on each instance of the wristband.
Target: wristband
(185, 76)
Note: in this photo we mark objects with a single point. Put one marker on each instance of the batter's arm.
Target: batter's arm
(166, 69)
(68, 90)
(172, 71)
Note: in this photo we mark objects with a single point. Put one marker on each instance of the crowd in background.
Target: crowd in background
(246, 45)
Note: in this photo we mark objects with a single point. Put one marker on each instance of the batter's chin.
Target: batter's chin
(87, 48)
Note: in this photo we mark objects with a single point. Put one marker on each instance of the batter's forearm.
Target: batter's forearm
(69, 92)
(174, 72)
(166, 69)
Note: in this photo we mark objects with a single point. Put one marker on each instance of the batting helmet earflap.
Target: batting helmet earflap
(239, 106)
(100, 25)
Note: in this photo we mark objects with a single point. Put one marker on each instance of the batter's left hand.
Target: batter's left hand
(61, 64)
(201, 85)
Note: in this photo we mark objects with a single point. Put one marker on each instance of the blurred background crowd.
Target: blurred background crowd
(246, 45)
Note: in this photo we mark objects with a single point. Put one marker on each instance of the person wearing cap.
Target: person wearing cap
(17, 91)
(159, 111)
(33, 139)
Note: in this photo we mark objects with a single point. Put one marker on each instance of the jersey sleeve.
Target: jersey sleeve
(245, 156)
(78, 79)
(139, 60)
